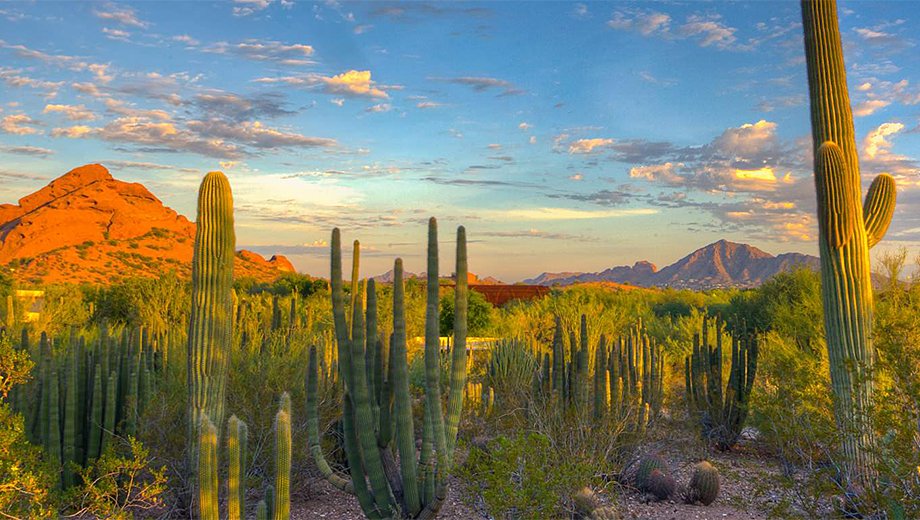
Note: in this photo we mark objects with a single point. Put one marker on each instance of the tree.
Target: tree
(479, 318)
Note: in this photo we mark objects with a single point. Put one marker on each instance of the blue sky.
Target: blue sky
(565, 136)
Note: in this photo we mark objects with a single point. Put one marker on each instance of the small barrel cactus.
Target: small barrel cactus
(704, 484)
(585, 502)
(647, 465)
(605, 513)
(661, 484)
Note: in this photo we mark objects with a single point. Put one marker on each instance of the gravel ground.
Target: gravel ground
(328, 502)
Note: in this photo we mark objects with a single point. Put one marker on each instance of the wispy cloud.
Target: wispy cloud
(71, 112)
(27, 150)
(353, 83)
(549, 213)
(483, 84)
(19, 124)
(296, 54)
(121, 14)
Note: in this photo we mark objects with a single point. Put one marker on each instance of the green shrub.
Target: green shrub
(522, 477)
(119, 483)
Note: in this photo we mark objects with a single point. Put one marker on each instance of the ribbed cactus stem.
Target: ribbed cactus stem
(458, 366)
(210, 326)
(282, 502)
(207, 470)
(236, 468)
(95, 421)
(261, 510)
(847, 230)
(53, 444)
(69, 445)
(111, 408)
(405, 428)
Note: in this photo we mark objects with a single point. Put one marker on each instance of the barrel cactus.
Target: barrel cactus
(585, 502)
(847, 230)
(647, 465)
(704, 484)
(661, 484)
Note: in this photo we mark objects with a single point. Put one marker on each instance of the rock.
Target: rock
(87, 226)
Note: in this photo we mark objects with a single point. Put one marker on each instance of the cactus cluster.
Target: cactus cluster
(721, 409)
(81, 395)
(847, 229)
(627, 382)
(277, 502)
(377, 406)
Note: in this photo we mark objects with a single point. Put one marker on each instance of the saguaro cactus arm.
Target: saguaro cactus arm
(879, 208)
(836, 211)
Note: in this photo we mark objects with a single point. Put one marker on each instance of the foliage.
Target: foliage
(481, 314)
(789, 303)
(25, 479)
(155, 303)
(15, 365)
(791, 402)
(522, 477)
(120, 482)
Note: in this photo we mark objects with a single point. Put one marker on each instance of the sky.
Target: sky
(564, 136)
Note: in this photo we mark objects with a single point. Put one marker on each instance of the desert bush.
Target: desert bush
(481, 314)
(119, 483)
(523, 477)
(791, 405)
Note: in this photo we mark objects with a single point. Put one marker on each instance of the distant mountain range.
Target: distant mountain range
(720, 264)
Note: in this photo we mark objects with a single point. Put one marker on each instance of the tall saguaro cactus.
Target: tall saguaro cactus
(847, 230)
(416, 486)
(210, 326)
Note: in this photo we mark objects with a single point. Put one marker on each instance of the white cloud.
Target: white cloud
(120, 14)
(582, 146)
(877, 142)
(72, 112)
(569, 213)
(19, 124)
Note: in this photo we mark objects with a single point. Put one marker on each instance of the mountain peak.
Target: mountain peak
(83, 175)
(86, 225)
(719, 264)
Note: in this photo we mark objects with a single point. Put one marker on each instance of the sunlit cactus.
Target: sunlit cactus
(847, 229)
(210, 325)
(418, 487)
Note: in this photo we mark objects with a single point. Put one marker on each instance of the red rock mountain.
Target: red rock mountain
(87, 226)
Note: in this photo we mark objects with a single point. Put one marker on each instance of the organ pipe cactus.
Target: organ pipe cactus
(237, 437)
(282, 502)
(210, 325)
(721, 413)
(207, 470)
(847, 230)
(416, 486)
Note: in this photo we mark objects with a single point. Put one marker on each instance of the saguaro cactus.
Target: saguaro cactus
(210, 326)
(417, 485)
(847, 229)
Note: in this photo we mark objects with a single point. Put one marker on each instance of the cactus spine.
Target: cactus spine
(847, 230)
(416, 486)
(210, 325)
